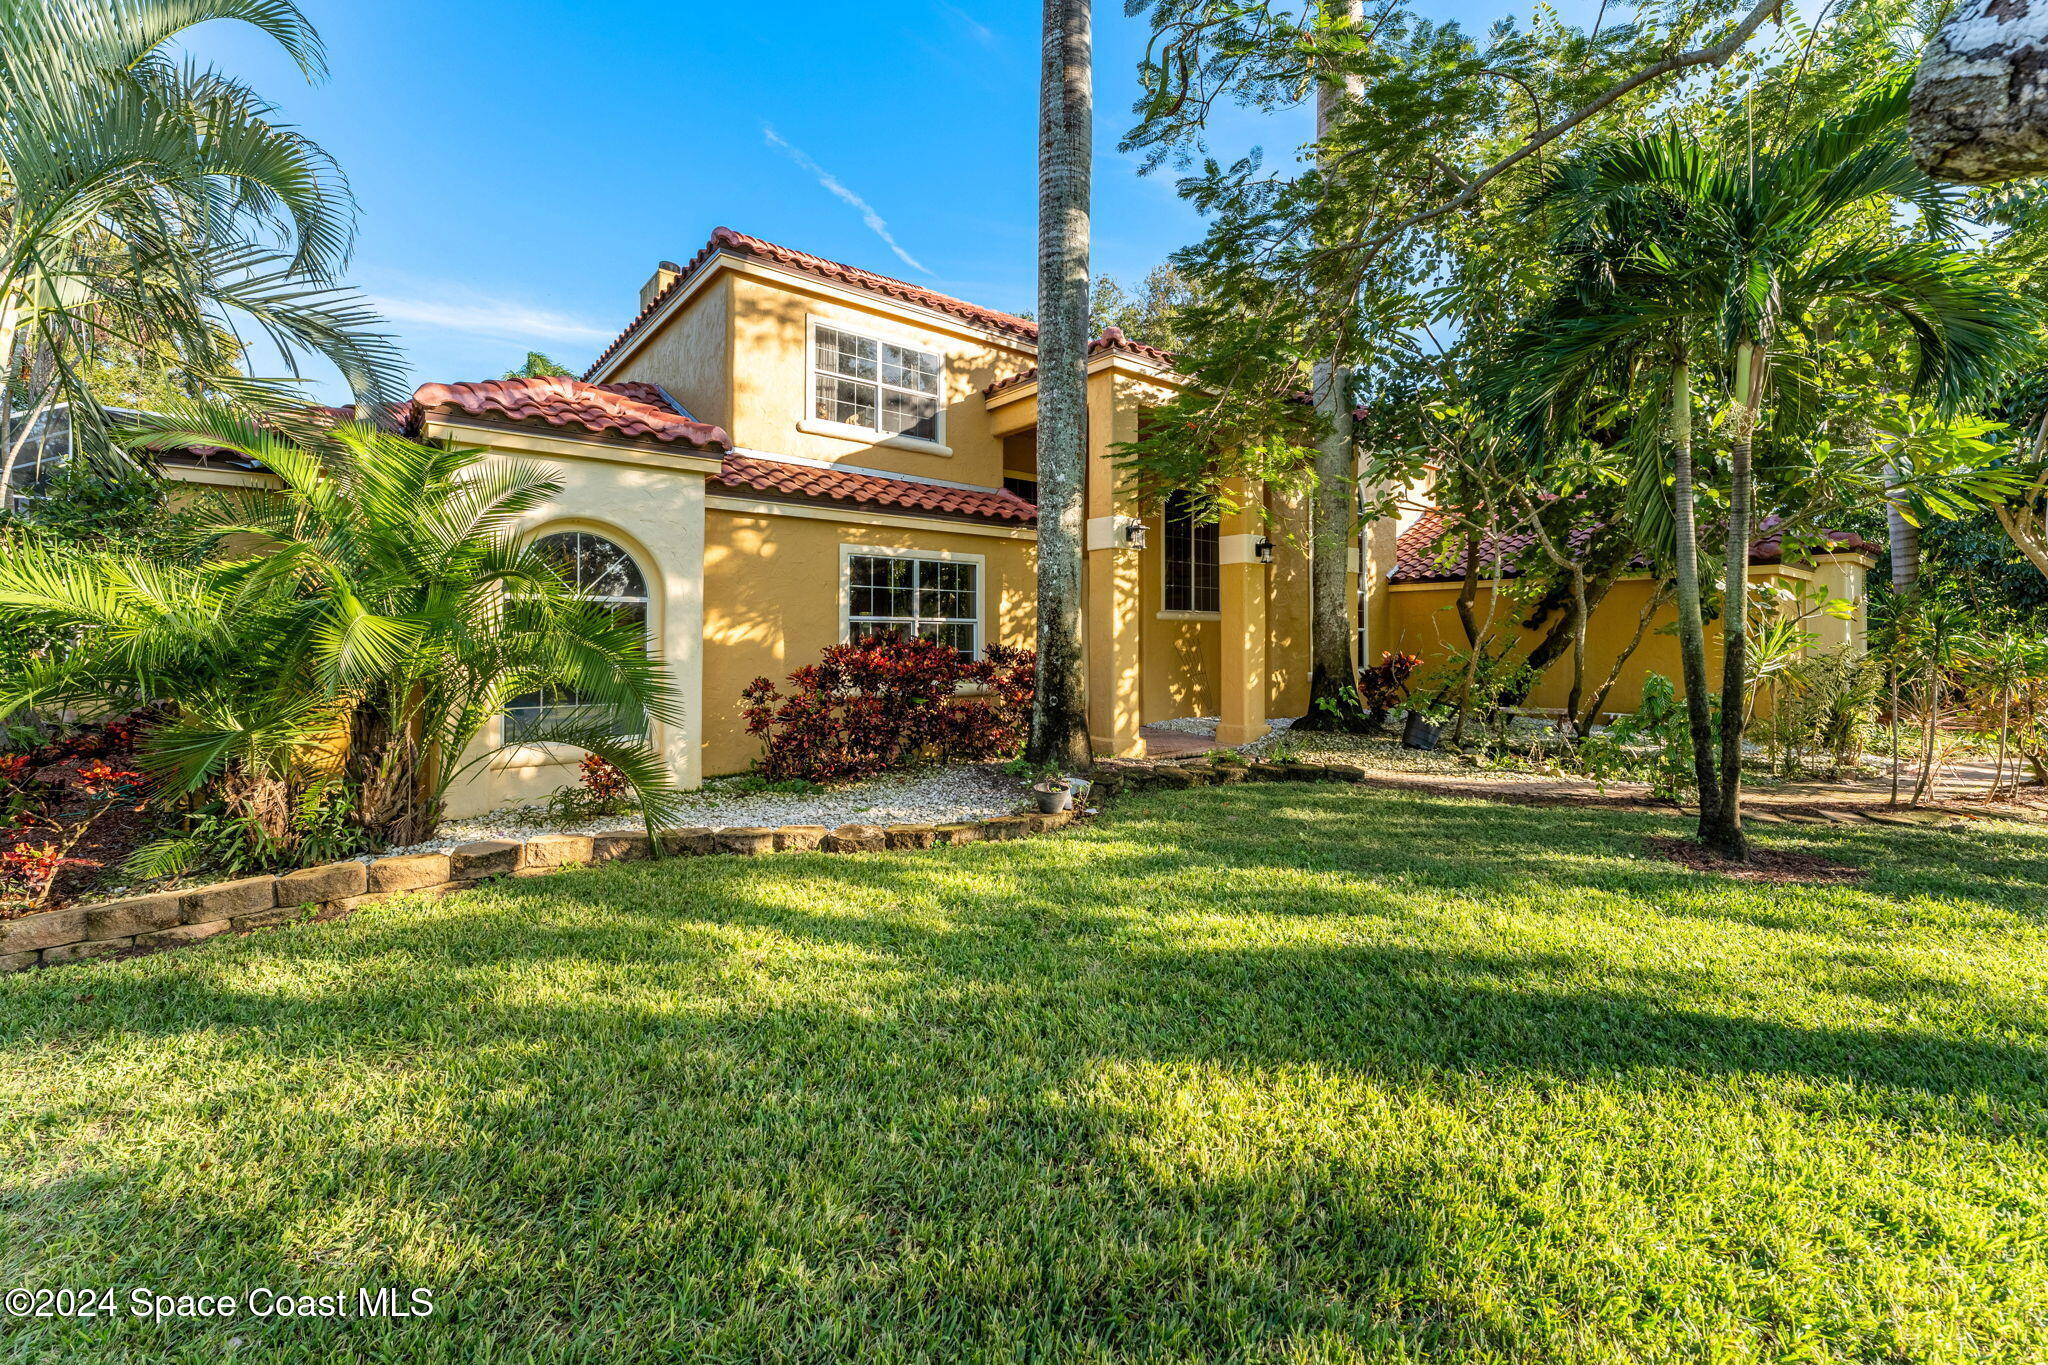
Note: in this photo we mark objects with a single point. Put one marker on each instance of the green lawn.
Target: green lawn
(1247, 1073)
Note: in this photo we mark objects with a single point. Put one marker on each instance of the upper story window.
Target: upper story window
(1194, 578)
(863, 382)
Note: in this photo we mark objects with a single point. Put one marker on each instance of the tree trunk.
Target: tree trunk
(1721, 829)
(1692, 629)
(1066, 118)
(1333, 701)
(1468, 589)
(1980, 100)
(1903, 535)
(1659, 595)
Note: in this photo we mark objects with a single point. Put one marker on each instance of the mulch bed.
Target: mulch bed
(1771, 865)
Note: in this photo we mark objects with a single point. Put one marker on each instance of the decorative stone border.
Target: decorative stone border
(172, 919)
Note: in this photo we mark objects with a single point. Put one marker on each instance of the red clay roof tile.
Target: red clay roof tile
(725, 240)
(784, 479)
(634, 411)
(1421, 556)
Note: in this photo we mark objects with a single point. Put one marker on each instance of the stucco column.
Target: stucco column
(1114, 627)
(1842, 576)
(1242, 673)
(682, 744)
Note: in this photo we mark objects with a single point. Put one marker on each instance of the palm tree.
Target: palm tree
(1744, 256)
(1066, 115)
(152, 207)
(382, 605)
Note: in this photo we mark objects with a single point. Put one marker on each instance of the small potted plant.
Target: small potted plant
(1054, 795)
(1423, 727)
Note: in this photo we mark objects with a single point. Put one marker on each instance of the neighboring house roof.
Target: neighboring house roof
(725, 241)
(1421, 556)
(1112, 339)
(811, 482)
(634, 411)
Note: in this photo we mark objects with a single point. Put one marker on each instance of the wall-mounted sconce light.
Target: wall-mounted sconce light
(1263, 549)
(1134, 535)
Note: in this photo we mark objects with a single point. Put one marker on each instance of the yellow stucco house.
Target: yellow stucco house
(781, 452)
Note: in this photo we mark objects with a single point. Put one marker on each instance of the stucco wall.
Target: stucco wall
(691, 355)
(657, 515)
(1424, 620)
(763, 321)
(773, 602)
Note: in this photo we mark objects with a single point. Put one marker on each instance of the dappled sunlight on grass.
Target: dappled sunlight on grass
(1251, 1072)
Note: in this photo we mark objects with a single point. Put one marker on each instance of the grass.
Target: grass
(1273, 1073)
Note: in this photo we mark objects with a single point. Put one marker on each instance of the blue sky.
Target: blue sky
(523, 164)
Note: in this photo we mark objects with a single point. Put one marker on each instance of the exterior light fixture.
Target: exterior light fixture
(1134, 535)
(1262, 549)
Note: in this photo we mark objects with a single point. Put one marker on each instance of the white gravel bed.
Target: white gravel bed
(936, 796)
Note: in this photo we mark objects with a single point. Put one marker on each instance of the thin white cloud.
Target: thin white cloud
(484, 316)
(980, 32)
(876, 223)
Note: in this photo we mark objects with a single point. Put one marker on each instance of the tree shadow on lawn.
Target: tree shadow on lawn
(766, 1095)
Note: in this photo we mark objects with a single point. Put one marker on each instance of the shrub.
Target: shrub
(1385, 684)
(601, 790)
(888, 702)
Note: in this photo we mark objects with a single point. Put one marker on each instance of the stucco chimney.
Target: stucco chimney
(665, 274)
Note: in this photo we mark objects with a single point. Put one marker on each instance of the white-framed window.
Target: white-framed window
(912, 593)
(603, 572)
(1193, 556)
(874, 384)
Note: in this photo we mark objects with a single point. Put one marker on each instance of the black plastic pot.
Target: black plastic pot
(1420, 732)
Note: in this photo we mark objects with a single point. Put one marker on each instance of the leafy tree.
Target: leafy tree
(1152, 315)
(150, 207)
(383, 606)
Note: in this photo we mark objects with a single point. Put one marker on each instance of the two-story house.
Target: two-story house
(782, 452)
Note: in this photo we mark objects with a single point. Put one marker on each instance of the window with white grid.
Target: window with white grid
(859, 381)
(901, 595)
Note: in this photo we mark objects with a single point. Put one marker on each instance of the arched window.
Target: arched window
(602, 572)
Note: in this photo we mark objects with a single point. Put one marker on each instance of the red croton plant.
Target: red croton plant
(887, 702)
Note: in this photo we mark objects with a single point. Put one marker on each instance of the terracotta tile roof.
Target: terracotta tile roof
(731, 243)
(633, 411)
(810, 482)
(1422, 556)
(1112, 339)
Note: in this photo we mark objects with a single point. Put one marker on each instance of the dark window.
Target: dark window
(1026, 489)
(1193, 580)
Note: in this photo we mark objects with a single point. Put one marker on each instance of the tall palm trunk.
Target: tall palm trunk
(1066, 117)
(1692, 629)
(1721, 828)
(1333, 701)
(1903, 534)
(1980, 100)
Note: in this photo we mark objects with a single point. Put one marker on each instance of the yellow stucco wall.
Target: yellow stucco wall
(753, 326)
(774, 602)
(1423, 619)
(691, 354)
